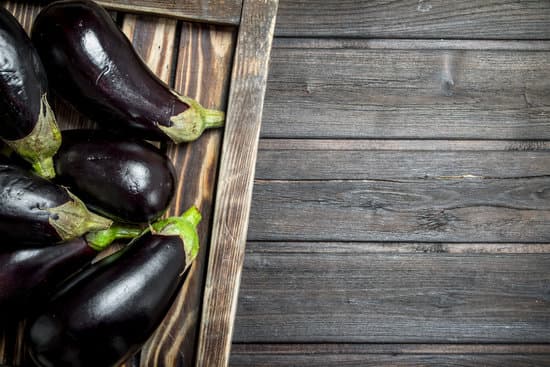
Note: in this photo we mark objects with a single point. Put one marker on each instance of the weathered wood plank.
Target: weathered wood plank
(478, 19)
(456, 210)
(234, 190)
(320, 355)
(222, 12)
(354, 296)
(412, 44)
(203, 70)
(320, 92)
(303, 248)
(282, 159)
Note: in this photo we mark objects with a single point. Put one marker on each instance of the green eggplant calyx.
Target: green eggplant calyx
(42, 143)
(191, 123)
(184, 226)
(72, 219)
(99, 240)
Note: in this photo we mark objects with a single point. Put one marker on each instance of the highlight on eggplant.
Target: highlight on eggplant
(27, 122)
(29, 276)
(92, 65)
(35, 211)
(106, 313)
(123, 179)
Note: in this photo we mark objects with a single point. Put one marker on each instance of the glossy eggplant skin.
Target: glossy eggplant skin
(91, 64)
(23, 200)
(123, 179)
(30, 210)
(106, 312)
(23, 80)
(30, 275)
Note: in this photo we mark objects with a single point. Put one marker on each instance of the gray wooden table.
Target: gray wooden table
(401, 208)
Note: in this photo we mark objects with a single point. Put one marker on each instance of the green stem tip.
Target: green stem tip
(44, 167)
(41, 144)
(99, 240)
(191, 123)
(184, 226)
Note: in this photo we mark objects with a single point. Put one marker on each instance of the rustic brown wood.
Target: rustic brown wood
(355, 296)
(461, 210)
(470, 355)
(203, 69)
(326, 92)
(24, 12)
(487, 19)
(222, 12)
(283, 159)
(234, 190)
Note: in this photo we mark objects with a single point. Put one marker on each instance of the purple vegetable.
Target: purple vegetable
(27, 123)
(34, 211)
(27, 276)
(91, 64)
(123, 179)
(108, 311)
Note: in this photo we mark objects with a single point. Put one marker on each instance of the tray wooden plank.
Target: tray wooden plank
(376, 293)
(204, 55)
(360, 89)
(235, 181)
(222, 12)
(474, 19)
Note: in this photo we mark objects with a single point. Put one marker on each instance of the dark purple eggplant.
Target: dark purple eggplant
(30, 275)
(122, 179)
(34, 211)
(91, 64)
(27, 123)
(108, 311)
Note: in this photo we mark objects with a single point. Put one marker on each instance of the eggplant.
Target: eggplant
(91, 64)
(123, 179)
(27, 122)
(107, 312)
(35, 211)
(28, 276)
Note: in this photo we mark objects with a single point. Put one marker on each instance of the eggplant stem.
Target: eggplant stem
(212, 118)
(192, 215)
(185, 227)
(191, 123)
(99, 240)
(42, 143)
(44, 167)
(73, 219)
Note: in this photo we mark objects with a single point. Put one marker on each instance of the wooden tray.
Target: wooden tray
(216, 52)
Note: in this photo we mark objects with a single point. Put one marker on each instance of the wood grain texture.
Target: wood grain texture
(456, 210)
(355, 296)
(282, 159)
(223, 12)
(234, 190)
(323, 91)
(400, 355)
(477, 19)
(204, 58)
